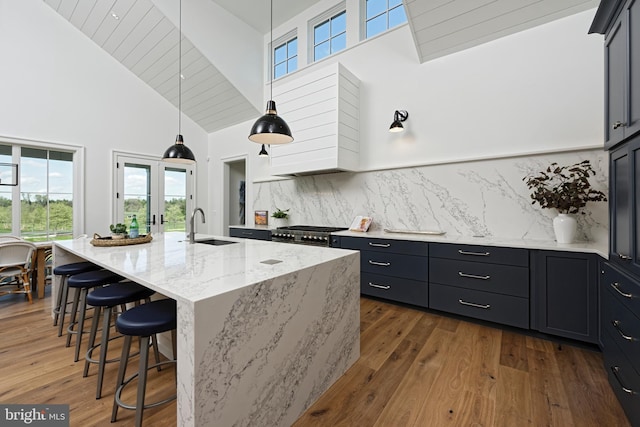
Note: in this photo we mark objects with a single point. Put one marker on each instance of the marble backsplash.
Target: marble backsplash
(486, 197)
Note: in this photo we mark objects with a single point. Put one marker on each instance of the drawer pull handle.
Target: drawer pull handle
(461, 252)
(472, 304)
(379, 245)
(616, 324)
(616, 371)
(624, 257)
(473, 276)
(615, 285)
(385, 287)
(381, 264)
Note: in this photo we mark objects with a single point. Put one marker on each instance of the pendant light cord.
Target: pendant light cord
(180, 70)
(272, 53)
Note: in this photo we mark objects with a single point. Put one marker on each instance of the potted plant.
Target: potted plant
(118, 231)
(280, 216)
(566, 189)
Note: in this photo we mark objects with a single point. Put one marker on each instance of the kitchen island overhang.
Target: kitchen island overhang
(264, 328)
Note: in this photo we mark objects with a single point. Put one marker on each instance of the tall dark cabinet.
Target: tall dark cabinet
(619, 287)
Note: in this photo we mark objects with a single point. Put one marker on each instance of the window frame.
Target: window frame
(78, 186)
(319, 19)
(364, 20)
(285, 39)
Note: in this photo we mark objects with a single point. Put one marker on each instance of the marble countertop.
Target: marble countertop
(194, 272)
(601, 249)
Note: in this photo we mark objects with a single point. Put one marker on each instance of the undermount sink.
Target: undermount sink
(215, 242)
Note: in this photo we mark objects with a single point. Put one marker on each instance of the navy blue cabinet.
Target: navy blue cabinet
(250, 233)
(565, 294)
(396, 270)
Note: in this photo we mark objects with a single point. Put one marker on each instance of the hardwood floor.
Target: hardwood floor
(416, 369)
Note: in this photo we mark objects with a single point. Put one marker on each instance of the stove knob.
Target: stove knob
(325, 238)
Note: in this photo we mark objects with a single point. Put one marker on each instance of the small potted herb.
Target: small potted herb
(280, 216)
(566, 189)
(118, 231)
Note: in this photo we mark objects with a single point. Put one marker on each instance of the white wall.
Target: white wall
(537, 91)
(56, 85)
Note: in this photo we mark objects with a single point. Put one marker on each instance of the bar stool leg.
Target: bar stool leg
(80, 325)
(92, 337)
(74, 312)
(58, 301)
(142, 379)
(103, 349)
(124, 360)
(64, 291)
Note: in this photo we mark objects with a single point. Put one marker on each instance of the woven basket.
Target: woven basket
(108, 241)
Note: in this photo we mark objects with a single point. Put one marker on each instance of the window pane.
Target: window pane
(175, 200)
(376, 25)
(292, 48)
(397, 16)
(33, 194)
(339, 24)
(292, 64)
(280, 70)
(321, 32)
(280, 54)
(375, 7)
(60, 195)
(5, 193)
(321, 51)
(394, 3)
(338, 43)
(137, 194)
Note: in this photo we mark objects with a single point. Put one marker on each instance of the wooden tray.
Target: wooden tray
(108, 241)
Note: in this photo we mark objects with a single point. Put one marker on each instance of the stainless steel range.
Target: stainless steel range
(304, 235)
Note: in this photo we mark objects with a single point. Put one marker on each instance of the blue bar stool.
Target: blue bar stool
(64, 271)
(109, 297)
(143, 321)
(82, 283)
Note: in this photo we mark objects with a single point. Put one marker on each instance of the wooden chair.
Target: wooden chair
(16, 264)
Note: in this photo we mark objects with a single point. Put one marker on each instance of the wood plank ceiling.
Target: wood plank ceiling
(141, 38)
(440, 27)
(138, 35)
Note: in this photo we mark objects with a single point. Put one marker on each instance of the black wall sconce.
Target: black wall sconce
(398, 117)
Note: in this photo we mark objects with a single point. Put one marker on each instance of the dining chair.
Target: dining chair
(16, 264)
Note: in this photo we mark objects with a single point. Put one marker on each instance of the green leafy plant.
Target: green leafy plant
(565, 188)
(118, 228)
(279, 213)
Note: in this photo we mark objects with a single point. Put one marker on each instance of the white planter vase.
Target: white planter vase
(565, 226)
(280, 222)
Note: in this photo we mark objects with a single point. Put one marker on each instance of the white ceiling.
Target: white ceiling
(145, 41)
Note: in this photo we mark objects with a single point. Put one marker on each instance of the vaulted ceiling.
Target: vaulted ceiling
(223, 74)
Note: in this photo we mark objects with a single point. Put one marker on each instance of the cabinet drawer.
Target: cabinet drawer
(406, 266)
(505, 309)
(250, 233)
(489, 254)
(394, 288)
(625, 289)
(385, 245)
(502, 279)
(622, 326)
(624, 380)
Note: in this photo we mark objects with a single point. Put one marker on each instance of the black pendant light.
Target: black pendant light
(270, 128)
(263, 152)
(178, 152)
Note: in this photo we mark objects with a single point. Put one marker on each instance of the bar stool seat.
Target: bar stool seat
(143, 321)
(109, 297)
(82, 283)
(64, 271)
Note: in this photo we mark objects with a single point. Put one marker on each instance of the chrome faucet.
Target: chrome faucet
(192, 225)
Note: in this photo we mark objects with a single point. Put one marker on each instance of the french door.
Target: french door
(159, 193)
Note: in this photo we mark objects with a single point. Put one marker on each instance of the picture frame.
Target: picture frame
(361, 223)
(261, 217)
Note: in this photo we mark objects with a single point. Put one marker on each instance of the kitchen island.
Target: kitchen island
(264, 328)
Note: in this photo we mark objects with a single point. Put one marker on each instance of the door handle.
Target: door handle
(153, 219)
(161, 219)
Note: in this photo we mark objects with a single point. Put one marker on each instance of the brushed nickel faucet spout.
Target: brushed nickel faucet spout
(192, 225)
